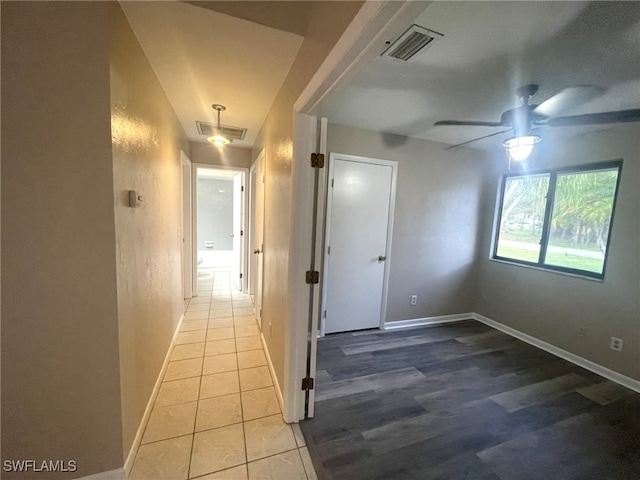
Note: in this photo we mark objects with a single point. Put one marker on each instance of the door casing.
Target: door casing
(389, 234)
(187, 231)
(257, 233)
(194, 200)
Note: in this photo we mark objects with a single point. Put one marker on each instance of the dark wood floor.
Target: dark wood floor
(464, 401)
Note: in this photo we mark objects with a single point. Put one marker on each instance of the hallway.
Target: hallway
(216, 415)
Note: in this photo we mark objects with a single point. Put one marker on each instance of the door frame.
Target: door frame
(243, 243)
(186, 219)
(327, 229)
(364, 39)
(259, 165)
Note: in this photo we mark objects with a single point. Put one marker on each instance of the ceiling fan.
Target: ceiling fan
(522, 120)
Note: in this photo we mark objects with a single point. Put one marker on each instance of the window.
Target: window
(558, 219)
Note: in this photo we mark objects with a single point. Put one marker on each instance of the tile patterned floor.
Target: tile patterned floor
(216, 415)
(464, 401)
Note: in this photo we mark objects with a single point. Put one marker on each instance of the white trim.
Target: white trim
(194, 223)
(128, 464)
(186, 226)
(558, 352)
(418, 322)
(276, 385)
(259, 165)
(118, 474)
(298, 298)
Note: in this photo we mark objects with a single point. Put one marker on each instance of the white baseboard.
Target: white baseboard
(118, 474)
(558, 352)
(418, 322)
(276, 385)
(128, 464)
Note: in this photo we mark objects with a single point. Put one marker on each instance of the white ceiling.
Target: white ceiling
(488, 50)
(202, 56)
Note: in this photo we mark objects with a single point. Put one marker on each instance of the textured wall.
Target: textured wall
(60, 371)
(147, 139)
(551, 306)
(434, 241)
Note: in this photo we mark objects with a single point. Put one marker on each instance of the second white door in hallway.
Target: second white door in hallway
(359, 221)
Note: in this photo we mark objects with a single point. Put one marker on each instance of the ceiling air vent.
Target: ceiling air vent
(410, 43)
(232, 133)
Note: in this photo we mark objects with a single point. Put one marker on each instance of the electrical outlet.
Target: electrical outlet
(414, 299)
(616, 344)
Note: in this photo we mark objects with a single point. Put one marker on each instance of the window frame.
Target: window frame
(548, 211)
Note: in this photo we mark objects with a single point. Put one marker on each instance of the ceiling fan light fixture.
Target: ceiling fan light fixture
(219, 140)
(520, 148)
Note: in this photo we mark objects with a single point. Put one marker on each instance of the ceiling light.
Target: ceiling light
(520, 148)
(219, 140)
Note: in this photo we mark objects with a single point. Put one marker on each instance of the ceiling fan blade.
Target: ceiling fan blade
(567, 98)
(469, 123)
(620, 116)
(476, 139)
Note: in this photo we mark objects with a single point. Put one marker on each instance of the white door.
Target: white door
(359, 215)
(238, 221)
(187, 252)
(258, 239)
(251, 264)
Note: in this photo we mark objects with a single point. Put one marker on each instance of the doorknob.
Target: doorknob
(382, 258)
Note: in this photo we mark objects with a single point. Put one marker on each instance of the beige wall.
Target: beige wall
(147, 139)
(60, 370)
(226, 156)
(551, 306)
(434, 242)
(276, 136)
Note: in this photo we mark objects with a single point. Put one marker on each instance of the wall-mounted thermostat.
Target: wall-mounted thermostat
(135, 199)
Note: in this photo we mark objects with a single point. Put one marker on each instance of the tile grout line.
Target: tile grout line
(195, 420)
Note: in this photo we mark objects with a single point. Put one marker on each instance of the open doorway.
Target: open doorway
(220, 223)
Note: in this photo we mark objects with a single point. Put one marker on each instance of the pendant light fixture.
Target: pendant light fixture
(219, 140)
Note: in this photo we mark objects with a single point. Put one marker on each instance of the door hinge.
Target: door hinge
(313, 276)
(329, 250)
(332, 182)
(241, 232)
(307, 383)
(240, 276)
(317, 160)
(242, 188)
